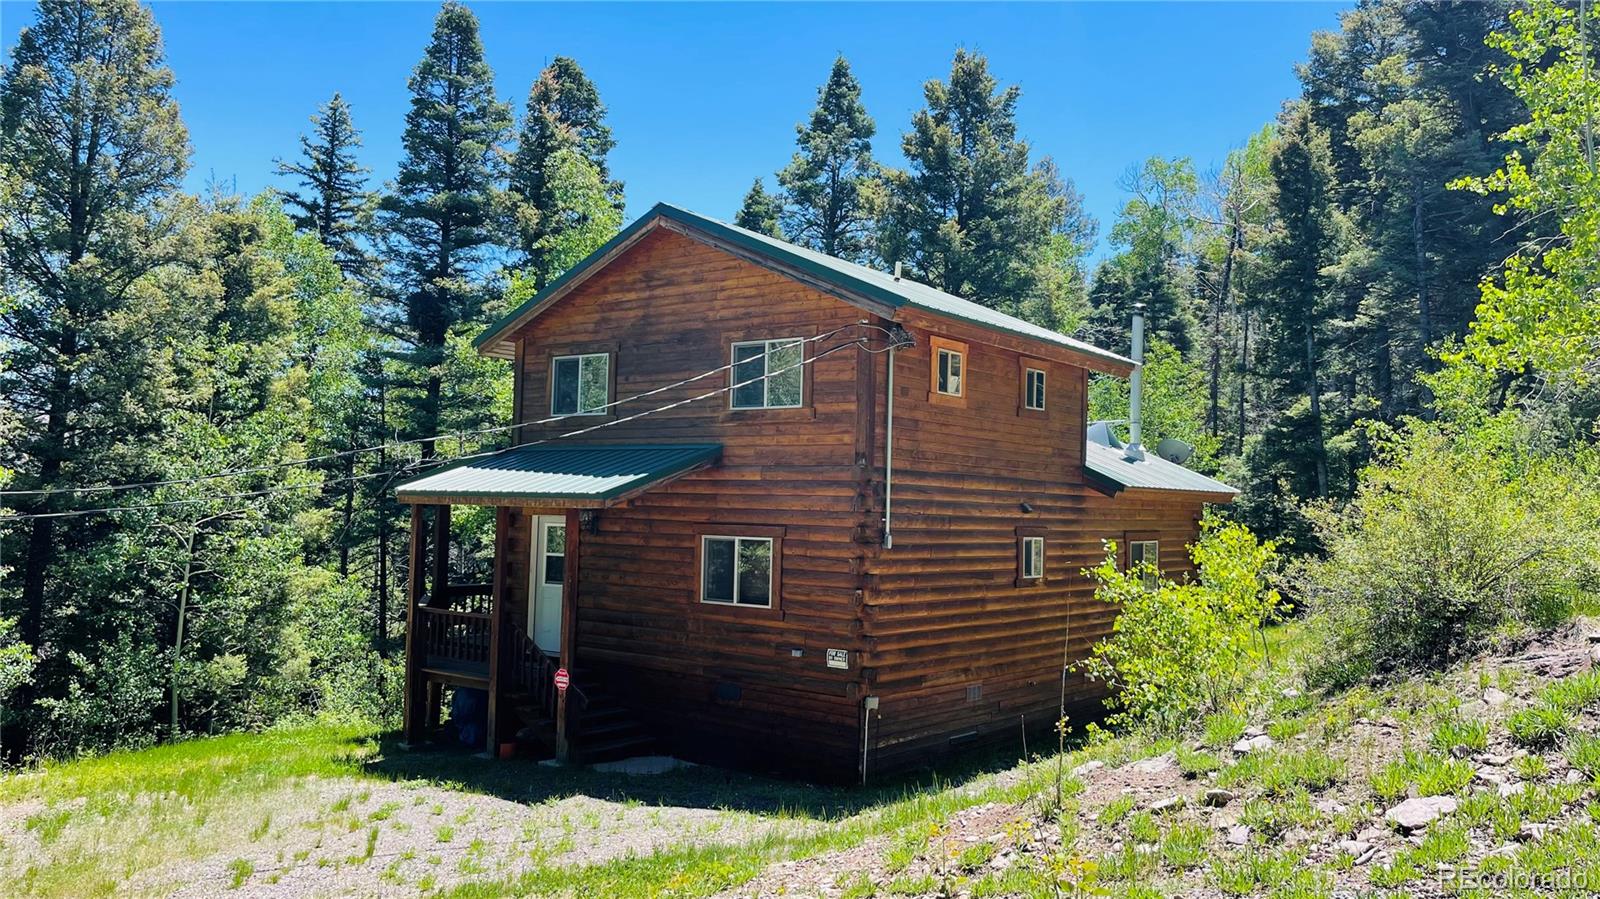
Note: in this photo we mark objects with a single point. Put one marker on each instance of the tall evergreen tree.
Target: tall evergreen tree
(970, 216)
(564, 114)
(1153, 232)
(332, 201)
(438, 218)
(1295, 287)
(92, 151)
(760, 211)
(828, 186)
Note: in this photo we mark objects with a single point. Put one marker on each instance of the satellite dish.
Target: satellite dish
(1174, 450)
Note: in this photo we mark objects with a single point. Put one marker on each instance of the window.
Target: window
(580, 385)
(1033, 389)
(768, 374)
(736, 571)
(1032, 558)
(947, 377)
(1145, 552)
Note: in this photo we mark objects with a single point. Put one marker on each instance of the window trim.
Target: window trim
(1142, 537)
(611, 382)
(937, 346)
(738, 532)
(1030, 367)
(766, 384)
(1025, 534)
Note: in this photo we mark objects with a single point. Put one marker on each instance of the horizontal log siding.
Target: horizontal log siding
(719, 684)
(943, 611)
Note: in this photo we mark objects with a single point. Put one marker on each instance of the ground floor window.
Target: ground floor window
(1145, 552)
(1030, 556)
(736, 570)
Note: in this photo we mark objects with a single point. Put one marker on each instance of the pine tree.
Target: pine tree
(438, 221)
(1295, 287)
(92, 151)
(969, 216)
(760, 211)
(564, 114)
(828, 186)
(1153, 232)
(333, 201)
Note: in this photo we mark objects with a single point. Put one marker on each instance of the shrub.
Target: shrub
(1179, 651)
(1444, 548)
(1452, 733)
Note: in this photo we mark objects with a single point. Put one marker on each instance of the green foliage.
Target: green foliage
(831, 186)
(1538, 726)
(333, 202)
(1173, 403)
(1444, 549)
(1180, 650)
(760, 210)
(1283, 772)
(1453, 734)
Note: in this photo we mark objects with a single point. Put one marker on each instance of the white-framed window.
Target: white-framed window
(1033, 389)
(1145, 552)
(736, 571)
(768, 374)
(951, 372)
(1032, 558)
(580, 385)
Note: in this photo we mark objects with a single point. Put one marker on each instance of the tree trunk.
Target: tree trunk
(1244, 373)
(1214, 413)
(1315, 395)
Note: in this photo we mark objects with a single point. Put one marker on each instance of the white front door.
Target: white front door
(549, 573)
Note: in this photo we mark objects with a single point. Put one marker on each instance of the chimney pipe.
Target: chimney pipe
(1134, 449)
(897, 266)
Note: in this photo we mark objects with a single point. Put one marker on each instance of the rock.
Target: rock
(1154, 765)
(1371, 835)
(1508, 790)
(1460, 752)
(1497, 761)
(1252, 744)
(1415, 814)
(1290, 693)
(1473, 709)
(1574, 776)
(1330, 806)
(1388, 722)
(1254, 731)
(1238, 835)
(1532, 832)
(1086, 767)
(1496, 697)
(1219, 798)
(1490, 775)
(1354, 848)
(1367, 856)
(1169, 804)
(1592, 636)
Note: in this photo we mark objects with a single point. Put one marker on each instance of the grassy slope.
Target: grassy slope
(97, 824)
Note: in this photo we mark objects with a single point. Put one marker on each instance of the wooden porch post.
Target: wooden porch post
(441, 556)
(569, 623)
(416, 684)
(497, 606)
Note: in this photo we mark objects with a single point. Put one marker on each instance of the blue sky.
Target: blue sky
(704, 97)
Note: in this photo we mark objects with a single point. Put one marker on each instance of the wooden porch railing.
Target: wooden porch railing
(532, 672)
(454, 638)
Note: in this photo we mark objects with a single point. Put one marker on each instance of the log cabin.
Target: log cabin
(772, 509)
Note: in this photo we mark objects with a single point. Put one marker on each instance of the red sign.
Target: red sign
(563, 679)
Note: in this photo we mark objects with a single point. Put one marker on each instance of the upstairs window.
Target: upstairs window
(1032, 558)
(948, 376)
(580, 385)
(768, 374)
(1033, 389)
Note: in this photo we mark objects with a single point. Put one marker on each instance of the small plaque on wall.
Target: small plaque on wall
(838, 658)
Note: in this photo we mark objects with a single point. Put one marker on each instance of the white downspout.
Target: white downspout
(888, 460)
(1134, 449)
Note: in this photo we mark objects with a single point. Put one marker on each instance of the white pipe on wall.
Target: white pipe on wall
(888, 460)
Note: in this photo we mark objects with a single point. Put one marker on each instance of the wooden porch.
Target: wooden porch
(461, 636)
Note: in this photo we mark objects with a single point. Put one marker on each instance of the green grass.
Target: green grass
(1280, 772)
(1452, 735)
(1539, 726)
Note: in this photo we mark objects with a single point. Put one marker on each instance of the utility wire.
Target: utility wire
(432, 463)
(328, 457)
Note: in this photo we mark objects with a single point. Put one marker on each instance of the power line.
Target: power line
(458, 435)
(437, 461)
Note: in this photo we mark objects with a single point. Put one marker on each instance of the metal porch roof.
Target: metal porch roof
(1111, 465)
(567, 476)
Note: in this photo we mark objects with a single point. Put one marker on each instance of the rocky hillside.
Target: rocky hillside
(1479, 782)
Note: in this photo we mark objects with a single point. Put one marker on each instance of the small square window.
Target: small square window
(1146, 553)
(1033, 390)
(950, 373)
(768, 374)
(736, 571)
(580, 385)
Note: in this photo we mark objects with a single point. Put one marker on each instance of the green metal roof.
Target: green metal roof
(875, 286)
(579, 476)
(1111, 466)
